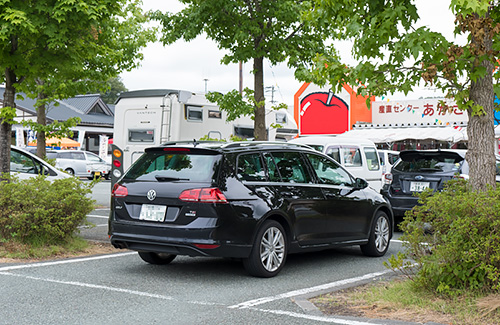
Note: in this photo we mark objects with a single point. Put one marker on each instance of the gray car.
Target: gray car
(80, 163)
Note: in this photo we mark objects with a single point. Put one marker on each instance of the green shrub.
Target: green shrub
(41, 212)
(454, 237)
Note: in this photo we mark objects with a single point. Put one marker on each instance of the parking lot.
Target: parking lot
(122, 289)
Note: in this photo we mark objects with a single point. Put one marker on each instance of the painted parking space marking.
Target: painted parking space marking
(75, 260)
(324, 319)
(97, 216)
(106, 288)
(300, 292)
(248, 305)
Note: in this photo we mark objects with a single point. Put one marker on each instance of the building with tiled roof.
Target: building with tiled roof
(97, 118)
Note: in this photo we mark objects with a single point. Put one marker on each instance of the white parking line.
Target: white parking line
(76, 260)
(97, 216)
(304, 291)
(249, 305)
(324, 319)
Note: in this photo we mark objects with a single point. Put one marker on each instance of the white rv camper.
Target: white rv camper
(146, 118)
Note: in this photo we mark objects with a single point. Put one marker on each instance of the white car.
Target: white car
(24, 165)
(80, 163)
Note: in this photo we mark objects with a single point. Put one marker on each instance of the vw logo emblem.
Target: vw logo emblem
(151, 195)
(419, 177)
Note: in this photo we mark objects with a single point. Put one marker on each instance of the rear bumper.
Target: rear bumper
(178, 240)
(400, 204)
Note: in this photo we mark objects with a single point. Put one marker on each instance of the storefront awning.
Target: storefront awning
(390, 135)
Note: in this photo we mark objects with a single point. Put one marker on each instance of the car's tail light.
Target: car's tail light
(207, 195)
(388, 178)
(119, 191)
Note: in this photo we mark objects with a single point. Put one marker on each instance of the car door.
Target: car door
(300, 197)
(346, 209)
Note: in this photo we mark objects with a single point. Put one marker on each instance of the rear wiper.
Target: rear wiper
(170, 179)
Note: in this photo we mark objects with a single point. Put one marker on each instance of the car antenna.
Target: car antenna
(195, 143)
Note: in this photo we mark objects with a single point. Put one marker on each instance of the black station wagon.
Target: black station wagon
(254, 201)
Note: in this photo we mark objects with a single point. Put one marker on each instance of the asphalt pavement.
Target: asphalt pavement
(218, 291)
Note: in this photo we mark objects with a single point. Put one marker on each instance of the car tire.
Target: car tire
(157, 258)
(269, 251)
(380, 234)
(70, 171)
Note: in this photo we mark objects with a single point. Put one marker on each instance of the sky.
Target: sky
(196, 67)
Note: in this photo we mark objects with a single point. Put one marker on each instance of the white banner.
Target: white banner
(20, 138)
(103, 146)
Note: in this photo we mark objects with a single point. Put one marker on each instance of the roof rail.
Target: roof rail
(193, 142)
(263, 143)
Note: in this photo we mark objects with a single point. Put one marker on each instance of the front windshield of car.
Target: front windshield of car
(167, 166)
(429, 164)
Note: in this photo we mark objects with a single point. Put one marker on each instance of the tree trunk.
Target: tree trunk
(480, 128)
(5, 127)
(41, 119)
(259, 132)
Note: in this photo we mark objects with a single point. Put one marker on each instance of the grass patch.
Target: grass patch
(401, 300)
(16, 250)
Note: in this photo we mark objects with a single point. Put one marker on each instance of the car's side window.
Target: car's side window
(20, 163)
(291, 167)
(250, 167)
(372, 159)
(352, 156)
(92, 157)
(334, 152)
(329, 172)
(272, 170)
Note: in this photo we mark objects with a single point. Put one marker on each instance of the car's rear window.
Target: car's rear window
(168, 166)
(429, 164)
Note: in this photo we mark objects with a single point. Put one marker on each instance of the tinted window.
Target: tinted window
(329, 172)
(291, 167)
(371, 158)
(250, 167)
(141, 135)
(158, 166)
(194, 114)
(352, 157)
(429, 163)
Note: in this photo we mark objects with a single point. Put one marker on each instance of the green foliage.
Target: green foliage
(233, 103)
(454, 237)
(250, 31)
(40, 212)
(115, 86)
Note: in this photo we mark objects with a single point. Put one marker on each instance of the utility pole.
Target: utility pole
(272, 93)
(206, 81)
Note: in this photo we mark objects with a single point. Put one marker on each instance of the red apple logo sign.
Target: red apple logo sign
(323, 113)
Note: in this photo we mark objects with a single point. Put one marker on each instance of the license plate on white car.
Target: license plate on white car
(418, 186)
(151, 212)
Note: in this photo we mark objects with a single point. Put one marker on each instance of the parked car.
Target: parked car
(80, 163)
(418, 170)
(24, 165)
(255, 201)
(358, 156)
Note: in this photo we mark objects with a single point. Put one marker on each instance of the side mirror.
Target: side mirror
(360, 184)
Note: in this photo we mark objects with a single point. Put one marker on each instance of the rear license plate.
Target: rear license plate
(418, 186)
(151, 212)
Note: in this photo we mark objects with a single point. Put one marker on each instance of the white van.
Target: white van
(360, 157)
(387, 159)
